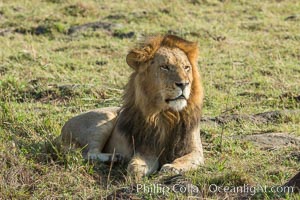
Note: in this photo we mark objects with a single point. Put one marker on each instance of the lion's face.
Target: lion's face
(169, 77)
(165, 77)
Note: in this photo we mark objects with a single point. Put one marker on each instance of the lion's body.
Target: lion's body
(158, 125)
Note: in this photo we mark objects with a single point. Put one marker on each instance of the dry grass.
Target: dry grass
(250, 58)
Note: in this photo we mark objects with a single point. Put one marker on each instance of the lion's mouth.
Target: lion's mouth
(177, 98)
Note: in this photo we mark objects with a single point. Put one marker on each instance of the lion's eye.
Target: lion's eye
(187, 68)
(165, 67)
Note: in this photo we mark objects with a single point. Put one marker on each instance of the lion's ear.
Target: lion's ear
(132, 60)
(137, 57)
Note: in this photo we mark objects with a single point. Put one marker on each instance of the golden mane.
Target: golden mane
(153, 129)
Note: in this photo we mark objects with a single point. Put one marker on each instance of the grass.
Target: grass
(249, 59)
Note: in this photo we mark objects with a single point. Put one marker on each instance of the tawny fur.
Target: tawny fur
(147, 130)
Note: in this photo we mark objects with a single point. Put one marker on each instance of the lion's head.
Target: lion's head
(166, 75)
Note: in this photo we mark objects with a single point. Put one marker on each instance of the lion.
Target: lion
(158, 126)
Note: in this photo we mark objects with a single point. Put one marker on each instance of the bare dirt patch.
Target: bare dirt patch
(265, 117)
(92, 25)
(271, 141)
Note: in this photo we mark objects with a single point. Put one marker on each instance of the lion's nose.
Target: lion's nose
(182, 85)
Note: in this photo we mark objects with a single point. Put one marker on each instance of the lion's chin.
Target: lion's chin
(178, 104)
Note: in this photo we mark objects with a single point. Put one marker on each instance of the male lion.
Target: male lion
(158, 124)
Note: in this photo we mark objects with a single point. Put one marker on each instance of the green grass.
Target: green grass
(249, 60)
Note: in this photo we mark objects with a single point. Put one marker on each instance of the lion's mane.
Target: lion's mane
(166, 132)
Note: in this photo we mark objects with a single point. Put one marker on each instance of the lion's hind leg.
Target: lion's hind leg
(92, 131)
(104, 157)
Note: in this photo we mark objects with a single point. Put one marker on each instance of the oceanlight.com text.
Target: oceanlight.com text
(250, 189)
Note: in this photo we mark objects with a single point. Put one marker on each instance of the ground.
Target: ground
(60, 58)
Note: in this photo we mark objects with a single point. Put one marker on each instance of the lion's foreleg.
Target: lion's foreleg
(189, 161)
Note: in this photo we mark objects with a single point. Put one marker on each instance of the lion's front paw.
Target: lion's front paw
(171, 168)
(137, 170)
